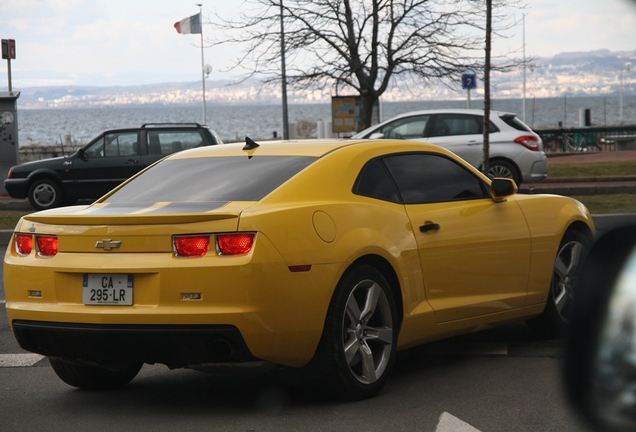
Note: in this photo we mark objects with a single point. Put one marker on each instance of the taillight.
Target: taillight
(191, 246)
(47, 245)
(234, 244)
(24, 243)
(530, 142)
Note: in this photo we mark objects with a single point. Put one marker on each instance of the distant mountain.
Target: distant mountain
(572, 74)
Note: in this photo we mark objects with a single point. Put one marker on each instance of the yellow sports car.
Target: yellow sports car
(331, 255)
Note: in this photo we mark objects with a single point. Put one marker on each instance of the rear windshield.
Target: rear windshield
(512, 121)
(211, 179)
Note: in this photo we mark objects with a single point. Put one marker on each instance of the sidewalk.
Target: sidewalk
(582, 186)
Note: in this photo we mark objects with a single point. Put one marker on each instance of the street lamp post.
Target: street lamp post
(628, 67)
(283, 73)
(523, 108)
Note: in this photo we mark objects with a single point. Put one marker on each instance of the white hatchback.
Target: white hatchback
(515, 150)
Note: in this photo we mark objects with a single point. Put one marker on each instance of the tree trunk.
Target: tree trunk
(366, 111)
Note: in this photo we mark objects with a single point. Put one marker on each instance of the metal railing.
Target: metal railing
(583, 139)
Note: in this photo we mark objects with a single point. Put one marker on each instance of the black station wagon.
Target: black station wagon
(102, 164)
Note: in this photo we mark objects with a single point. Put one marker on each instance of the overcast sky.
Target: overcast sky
(128, 42)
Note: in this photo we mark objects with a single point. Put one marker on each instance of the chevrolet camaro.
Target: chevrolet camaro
(325, 255)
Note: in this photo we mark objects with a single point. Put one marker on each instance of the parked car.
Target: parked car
(515, 151)
(102, 164)
(330, 255)
(600, 361)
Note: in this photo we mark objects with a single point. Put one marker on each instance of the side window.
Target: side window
(374, 181)
(96, 149)
(492, 128)
(512, 121)
(112, 145)
(406, 128)
(127, 144)
(428, 178)
(167, 142)
(457, 124)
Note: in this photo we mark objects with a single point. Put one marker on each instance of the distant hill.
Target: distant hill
(572, 74)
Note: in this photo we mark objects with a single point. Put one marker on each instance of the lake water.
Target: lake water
(234, 122)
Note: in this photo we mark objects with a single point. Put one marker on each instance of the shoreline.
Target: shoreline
(50, 126)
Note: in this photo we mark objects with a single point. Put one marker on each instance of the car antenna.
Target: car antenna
(250, 144)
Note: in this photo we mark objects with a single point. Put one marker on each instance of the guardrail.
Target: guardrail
(607, 138)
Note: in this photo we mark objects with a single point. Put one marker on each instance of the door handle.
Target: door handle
(132, 161)
(429, 226)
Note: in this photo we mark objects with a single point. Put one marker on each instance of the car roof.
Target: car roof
(470, 111)
(451, 111)
(157, 126)
(310, 147)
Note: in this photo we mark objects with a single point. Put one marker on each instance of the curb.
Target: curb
(5, 237)
(15, 205)
(577, 189)
(600, 179)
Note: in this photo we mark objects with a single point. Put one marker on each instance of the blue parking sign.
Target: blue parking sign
(469, 81)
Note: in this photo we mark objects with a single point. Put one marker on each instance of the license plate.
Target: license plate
(107, 289)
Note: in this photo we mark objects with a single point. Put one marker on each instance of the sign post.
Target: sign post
(8, 52)
(344, 113)
(469, 81)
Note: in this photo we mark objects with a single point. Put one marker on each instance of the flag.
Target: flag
(190, 25)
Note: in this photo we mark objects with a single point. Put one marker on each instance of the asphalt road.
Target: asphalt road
(504, 379)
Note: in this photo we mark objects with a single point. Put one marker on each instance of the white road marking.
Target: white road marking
(19, 360)
(449, 423)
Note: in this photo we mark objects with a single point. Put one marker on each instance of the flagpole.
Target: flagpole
(205, 116)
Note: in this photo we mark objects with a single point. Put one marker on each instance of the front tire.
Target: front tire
(359, 343)
(94, 377)
(45, 194)
(555, 319)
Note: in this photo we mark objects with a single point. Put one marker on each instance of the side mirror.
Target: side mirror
(82, 154)
(501, 188)
(376, 135)
(600, 359)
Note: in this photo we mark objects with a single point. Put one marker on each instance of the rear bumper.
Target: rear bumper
(533, 166)
(538, 172)
(173, 345)
(277, 314)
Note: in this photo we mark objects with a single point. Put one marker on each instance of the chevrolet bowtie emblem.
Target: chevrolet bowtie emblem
(108, 244)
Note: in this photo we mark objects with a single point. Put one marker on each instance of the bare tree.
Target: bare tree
(359, 46)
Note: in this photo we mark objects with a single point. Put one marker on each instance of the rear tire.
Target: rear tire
(94, 377)
(503, 169)
(555, 319)
(359, 342)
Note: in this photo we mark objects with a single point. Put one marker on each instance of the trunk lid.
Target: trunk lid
(131, 228)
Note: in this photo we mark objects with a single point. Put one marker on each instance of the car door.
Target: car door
(105, 163)
(460, 133)
(474, 252)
